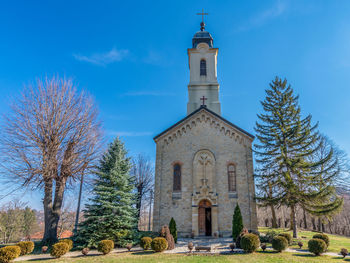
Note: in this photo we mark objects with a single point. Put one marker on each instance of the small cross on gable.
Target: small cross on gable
(203, 99)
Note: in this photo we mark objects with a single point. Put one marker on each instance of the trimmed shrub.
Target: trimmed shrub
(344, 252)
(165, 232)
(287, 236)
(269, 235)
(238, 239)
(279, 243)
(190, 246)
(324, 237)
(68, 242)
(300, 244)
(173, 230)
(128, 247)
(105, 246)
(317, 246)
(237, 223)
(26, 247)
(44, 249)
(9, 253)
(145, 243)
(85, 251)
(159, 244)
(250, 243)
(59, 249)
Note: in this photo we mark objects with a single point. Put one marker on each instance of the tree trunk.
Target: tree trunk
(79, 201)
(305, 222)
(52, 210)
(138, 202)
(313, 223)
(319, 224)
(273, 213)
(293, 221)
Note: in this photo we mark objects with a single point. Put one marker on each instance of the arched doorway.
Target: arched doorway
(204, 218)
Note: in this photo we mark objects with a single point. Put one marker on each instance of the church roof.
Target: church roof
(216, 115)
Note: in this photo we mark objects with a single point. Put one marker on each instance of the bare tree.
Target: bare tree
(50, 136)
(142, 173)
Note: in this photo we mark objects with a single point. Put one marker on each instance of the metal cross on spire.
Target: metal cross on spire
(202, 14)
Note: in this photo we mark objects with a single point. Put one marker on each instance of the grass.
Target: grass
(148, 257)
(336, 242)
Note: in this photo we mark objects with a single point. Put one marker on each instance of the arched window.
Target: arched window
(203, 67)
(231, 172)
(177, 177)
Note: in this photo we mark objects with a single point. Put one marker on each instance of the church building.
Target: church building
(204, 163)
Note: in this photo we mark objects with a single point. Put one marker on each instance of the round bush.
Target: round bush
(9, 253)
(279, 243)
(159, 244)
(105, 246)
(59, 249)
(68, 242)
(287, 236)
(250, 243)
(145, 243)
(26, 247)
(324, 237)
(317, 246)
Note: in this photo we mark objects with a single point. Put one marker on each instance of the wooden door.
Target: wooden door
(204, 218)
(201, 221)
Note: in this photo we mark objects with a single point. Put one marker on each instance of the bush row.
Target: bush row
(9, 253)
(158, 244)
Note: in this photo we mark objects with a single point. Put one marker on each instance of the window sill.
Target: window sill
(177, 195)
(232, 195)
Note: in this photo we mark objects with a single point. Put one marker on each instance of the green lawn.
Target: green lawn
(336, 242)
(258, 257)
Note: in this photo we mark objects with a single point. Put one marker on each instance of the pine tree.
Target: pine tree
(111, 212)
(287, 163)
(237, 223)
(173, 230)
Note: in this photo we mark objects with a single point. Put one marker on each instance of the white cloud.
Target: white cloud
(102, 59)
(129, 134)
(264, 16)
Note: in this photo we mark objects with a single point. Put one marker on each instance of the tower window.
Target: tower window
(231, 172)
(203, 68)
(177, 178)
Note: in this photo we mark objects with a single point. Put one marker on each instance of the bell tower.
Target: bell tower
(203, 83)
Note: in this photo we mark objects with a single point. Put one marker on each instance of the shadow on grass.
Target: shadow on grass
(305, 255)
(39, 259)
(142, 253)
(268, 252)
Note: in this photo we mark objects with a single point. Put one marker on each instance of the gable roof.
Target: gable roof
(211, 112)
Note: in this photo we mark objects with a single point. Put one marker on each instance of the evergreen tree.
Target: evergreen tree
(287, 161)
(172, 228)
(111, 212)
(237, 223)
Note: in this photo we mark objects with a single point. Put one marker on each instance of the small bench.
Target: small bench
(198, 248)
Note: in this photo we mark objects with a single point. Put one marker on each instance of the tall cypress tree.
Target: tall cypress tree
(111, 212)
(237, 223)
(287, 159)
(172, 228)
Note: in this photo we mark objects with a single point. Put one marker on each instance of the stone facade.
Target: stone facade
(204, 164)
(204, 135)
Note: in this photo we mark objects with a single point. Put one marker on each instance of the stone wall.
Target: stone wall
(203, 131)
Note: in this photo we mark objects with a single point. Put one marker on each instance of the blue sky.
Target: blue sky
(132, 57)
